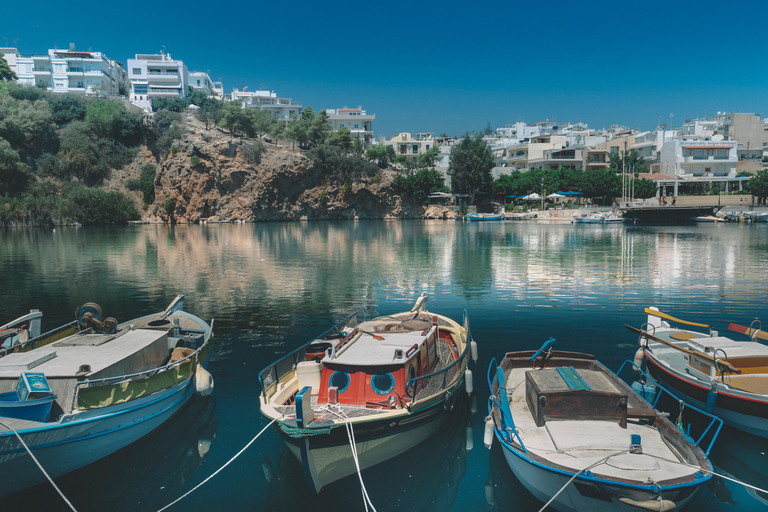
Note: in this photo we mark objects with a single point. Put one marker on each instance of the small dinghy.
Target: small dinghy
(581, 439)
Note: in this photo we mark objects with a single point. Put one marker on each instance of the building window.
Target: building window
(198, 83)
(357, 126)
(614, 151)
(136, 71)
(415, 149)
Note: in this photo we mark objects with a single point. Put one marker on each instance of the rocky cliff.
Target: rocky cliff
(208, 178)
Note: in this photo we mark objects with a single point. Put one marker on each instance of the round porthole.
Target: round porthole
(383, 383)
(339, 380)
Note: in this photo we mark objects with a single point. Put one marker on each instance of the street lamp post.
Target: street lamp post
(542, 193)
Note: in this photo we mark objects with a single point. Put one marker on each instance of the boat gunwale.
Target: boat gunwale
(518, 449)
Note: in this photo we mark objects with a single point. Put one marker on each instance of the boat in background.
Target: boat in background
(723, 376)
(667, 214)
(588, 218)
(709, 218)
(91, 387)
(383, 385)
(580, 438)
(479, 217)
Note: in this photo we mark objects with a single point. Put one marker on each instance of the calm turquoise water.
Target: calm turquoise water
(272, 287)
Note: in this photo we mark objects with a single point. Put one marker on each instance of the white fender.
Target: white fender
(203, 381)
(638, 360)
(473, 350)
(468, 384)
(488, 432)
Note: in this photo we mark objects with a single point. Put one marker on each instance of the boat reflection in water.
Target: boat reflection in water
(424, 478)
(146, 475)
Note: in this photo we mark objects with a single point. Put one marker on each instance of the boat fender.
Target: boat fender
(473, 350)
(468, 384)
(638, 360)
(656, 505)
(203, 381)
(470, 438)
(712, 398)
(488, 432)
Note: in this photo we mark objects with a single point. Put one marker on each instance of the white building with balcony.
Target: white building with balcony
(405, 144)
(694, 164)
(156, 76)
(278, 108)
(355, 119)
(72, 71)
(200, 81)
(10, 55)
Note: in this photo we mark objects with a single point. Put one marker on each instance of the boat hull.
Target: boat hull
(65, 447)
(484, 217)
(328, 457)
(581, 495)
(741, 410)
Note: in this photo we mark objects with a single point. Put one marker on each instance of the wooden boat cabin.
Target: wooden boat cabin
(373, 365)
(748, 359)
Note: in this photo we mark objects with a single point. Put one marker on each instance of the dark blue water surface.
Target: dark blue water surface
(272, 287)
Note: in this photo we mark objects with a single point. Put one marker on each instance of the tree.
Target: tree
(235, 119)
(79, 153)
(341, 138)
(470, 166)
(601, 183)
(6, 73)
(67, 107)
(28, 126)
(631, 162)
(165, 118)
(758, 186)
(488, 129)
(377, 154)
(209, 113)
(645, 188)
(110, 119)
(420, 184)
(335, 163)
(13, 174)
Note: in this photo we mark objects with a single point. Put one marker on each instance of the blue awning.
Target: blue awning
(570, 193)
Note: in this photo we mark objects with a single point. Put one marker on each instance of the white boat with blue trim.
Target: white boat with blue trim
(367, 390)
(581, 439)
(80, 392)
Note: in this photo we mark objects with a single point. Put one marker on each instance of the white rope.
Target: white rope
(218, 470)
(712, 472)
(39, 466)
(353, 445)
(577, 474)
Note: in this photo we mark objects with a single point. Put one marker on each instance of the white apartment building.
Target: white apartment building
(693, 164)
(72, 71)
(355, 119)
(406, 145)
(200, 81)
(278, 108)
(156, 76)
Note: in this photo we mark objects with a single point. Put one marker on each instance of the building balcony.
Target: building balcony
(700, 159)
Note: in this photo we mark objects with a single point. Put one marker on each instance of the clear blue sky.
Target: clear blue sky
(444, 67)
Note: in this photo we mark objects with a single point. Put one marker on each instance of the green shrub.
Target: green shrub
(323, 197)
(253, 152)
(67, 107)
(169, 205)
(93, 206)
(194, 159)
(377, 179)
(164, 119)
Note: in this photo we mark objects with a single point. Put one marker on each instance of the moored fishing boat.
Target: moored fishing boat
(726, 377)
(591, 218)
(481, 217)
(381, 386)
(76, 394)
(580, 438)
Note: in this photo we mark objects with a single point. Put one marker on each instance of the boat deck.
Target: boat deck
(577, 444)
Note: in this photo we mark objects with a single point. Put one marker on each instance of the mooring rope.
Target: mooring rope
(40, 466)
(353, 445)
(218, 470)
(577, 474)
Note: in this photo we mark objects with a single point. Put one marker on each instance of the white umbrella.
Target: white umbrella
(532, 196)
(555, 195)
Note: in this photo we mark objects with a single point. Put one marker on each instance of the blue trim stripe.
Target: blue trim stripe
(181, 400)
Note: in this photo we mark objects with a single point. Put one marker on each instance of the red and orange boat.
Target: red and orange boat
(367, 390)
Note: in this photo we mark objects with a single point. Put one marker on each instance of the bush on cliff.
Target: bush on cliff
(337, 164)
(93, 206)
(145, 183)
(420, 183)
